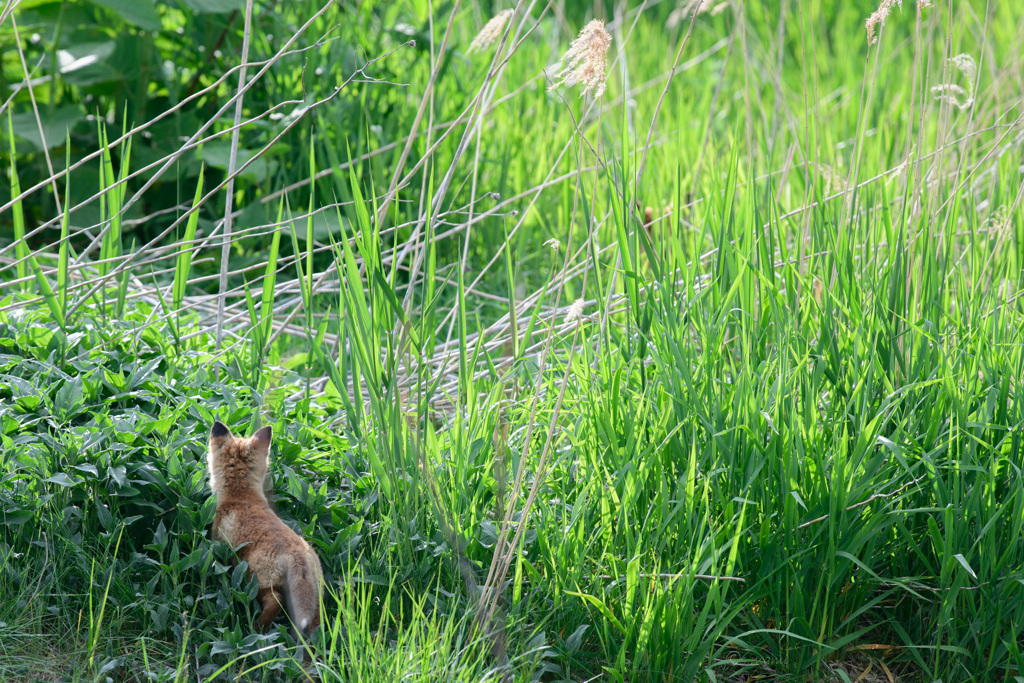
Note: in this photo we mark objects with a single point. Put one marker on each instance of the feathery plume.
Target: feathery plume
(676, 16)
(553, 244)
(879, 16)
(491, 31)
(575, 311)
(964, 63)
(953, 94)
(586, 60)
(901, 169)
(959, 97)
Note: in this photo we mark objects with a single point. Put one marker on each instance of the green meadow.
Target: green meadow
(693, 354)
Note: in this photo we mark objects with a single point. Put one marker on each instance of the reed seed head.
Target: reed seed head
(575, 311)
(833, 181)
(491, 31)
(964, 63)
(953, 94)
(958, 96)
(686, 10)
(586, 61)
(879, 16)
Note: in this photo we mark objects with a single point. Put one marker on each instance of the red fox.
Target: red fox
(283, 562)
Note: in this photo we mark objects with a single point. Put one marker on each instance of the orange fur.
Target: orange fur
(286, 567)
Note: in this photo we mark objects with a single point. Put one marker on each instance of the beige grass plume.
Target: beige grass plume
(491, 31)
(676, 16)
(879, 16)
(959, 97)
(964, 63)
(575, 311)
(586, 61)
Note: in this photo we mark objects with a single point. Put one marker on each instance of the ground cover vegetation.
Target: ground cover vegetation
(689, 350)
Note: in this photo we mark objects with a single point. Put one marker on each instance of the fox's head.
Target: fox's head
(237, 464)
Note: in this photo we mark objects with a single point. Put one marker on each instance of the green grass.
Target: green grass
(781, 441)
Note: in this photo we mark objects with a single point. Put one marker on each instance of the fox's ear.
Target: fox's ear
(219, 430)
(261, 439)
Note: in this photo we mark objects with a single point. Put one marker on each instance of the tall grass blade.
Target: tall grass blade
(21, 250)
(183, 265)
(270, 277)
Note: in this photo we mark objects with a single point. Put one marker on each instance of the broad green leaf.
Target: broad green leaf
(141, 13)
(61, 479)
(218, 155)
(56, 125)
(214, 6)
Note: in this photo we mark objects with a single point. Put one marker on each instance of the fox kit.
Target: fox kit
(286, 567)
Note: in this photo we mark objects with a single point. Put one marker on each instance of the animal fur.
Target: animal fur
(286, 567)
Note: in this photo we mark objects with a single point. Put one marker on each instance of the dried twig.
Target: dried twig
(229, 194)
(864, 502)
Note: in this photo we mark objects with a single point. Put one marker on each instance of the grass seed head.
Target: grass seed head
(878, 17)
(964, 63)
(958, 96)
(491, 31)
(586, 61)
(834, 182)
(683, 12)
(953, 94)
(575, 311)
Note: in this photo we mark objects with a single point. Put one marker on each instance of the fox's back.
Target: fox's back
(270, 547)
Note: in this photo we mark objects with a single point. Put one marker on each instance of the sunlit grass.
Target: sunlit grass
(738, 405)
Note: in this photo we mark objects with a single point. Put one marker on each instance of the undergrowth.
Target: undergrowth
(712, 377)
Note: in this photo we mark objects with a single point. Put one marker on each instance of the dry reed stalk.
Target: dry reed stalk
(417, 241)
(116, 143)
(171, 159)
(414, 131)
(225, 249)
(39, 122)
(8, 10)
(657, 108)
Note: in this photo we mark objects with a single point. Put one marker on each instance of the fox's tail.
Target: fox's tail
(302, 596)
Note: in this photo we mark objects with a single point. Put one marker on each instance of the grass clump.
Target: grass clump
(713, 375)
